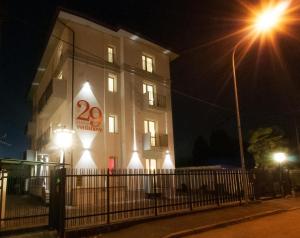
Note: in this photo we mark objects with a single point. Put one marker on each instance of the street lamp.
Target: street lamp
(280, 158)
(264, 23)
(63, 139)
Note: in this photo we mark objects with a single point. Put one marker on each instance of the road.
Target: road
(276, 226)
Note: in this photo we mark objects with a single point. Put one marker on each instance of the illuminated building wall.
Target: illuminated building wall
(122, 115)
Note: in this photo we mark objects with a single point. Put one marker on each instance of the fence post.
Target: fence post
(107, 197)
(190, 190)
(62, 202)
(216, 188)
(155, 194)
(3, 180)
(238, 186)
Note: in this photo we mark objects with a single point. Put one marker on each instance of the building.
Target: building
(112, 88)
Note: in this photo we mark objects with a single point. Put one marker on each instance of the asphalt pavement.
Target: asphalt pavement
(283, 225)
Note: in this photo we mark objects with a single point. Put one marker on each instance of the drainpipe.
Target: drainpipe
(72, 79)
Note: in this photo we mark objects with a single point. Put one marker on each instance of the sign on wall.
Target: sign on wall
(88, 117)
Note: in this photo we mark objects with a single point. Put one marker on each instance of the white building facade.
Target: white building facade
(112, 88)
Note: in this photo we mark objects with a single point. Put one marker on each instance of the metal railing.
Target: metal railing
(22, 203)
(100, 197)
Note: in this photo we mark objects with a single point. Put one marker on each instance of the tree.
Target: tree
(265, 141)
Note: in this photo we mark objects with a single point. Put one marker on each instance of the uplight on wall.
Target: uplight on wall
(168, 164)
(135, 162)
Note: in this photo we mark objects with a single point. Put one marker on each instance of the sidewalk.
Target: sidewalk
(165, 227)
(173, 226)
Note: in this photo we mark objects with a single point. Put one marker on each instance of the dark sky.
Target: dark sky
(269, 91)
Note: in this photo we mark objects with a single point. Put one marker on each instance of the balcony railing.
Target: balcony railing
(155, 142)
(43, 139)
(52, 97)
(155, 101)
(30, 128)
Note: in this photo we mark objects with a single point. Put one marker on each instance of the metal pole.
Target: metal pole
(239, 128)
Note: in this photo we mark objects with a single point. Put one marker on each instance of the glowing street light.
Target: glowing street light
(63, 139)
(279, 157)
(271, 17)
(265, 21)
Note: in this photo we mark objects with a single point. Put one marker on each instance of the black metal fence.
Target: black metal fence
(23, 201)
(100, 197)
(276, 182)
(76, 198)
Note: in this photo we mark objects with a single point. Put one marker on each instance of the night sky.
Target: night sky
(269, 90)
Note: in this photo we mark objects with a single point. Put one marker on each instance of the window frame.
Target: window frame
(149, 164)
(112, 61)
(114, 88)
(153, 139)
(114, 125)
(151, 101)
(145, 67)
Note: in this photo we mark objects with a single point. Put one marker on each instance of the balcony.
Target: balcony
(30, 128)
(155, 102)
(53, 96)
(159, 142)
(43, 139)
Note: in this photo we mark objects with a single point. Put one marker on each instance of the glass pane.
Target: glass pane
(147, 163)
(111, 124)
(152, 128)
(144, 88)
(152, 164)
(151, 94)
(146, 126)
(111, 84)
(153, 141)
(144, 62)
(110, 54)
(149, 64)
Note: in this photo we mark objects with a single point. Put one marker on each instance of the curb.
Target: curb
(223, 224)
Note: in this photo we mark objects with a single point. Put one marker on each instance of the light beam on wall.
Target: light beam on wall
(135, 162)
(86, 93)
(168, 164)
(86, 161)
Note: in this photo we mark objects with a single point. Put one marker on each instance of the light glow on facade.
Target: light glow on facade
(168, 163)
(135, 162)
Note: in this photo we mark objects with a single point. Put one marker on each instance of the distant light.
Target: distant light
(134, 37)
(279, 157)
(166, 52)
(271, 17)
(35, 84)
(41, 69)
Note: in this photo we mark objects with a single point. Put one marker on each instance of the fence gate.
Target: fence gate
(57, 200)
(24, 200)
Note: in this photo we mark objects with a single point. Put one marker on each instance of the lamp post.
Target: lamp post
(264, 23)
(280, 158)
(63, 139)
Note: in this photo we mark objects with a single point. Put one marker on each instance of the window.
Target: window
(150, 164)
(112, 83)
(112, 124)
(110, 54)
(150, 127)
(147, 63)
(149, 90)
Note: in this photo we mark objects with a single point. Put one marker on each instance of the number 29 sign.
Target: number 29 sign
(88, 117)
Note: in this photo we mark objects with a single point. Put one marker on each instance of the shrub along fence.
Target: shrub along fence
(86, 197)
